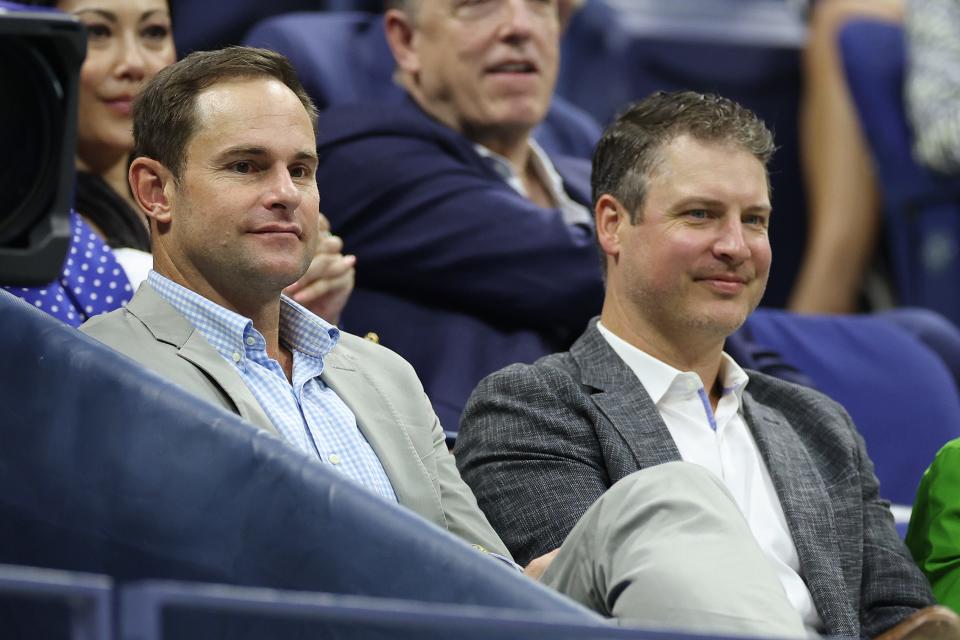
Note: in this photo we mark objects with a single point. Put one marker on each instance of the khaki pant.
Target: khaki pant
(667, 547)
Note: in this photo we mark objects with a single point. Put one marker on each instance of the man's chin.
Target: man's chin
(724, 321)
(517, 113)
(280, 276)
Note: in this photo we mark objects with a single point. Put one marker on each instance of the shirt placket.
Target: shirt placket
(305, 370)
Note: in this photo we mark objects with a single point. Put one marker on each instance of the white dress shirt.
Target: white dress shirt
(572, 212)
(721, 442)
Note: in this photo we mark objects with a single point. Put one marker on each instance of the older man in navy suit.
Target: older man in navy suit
(474, 247)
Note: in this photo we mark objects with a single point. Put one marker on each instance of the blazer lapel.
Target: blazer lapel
(384, 430)
(805, 503)
(623, 400)
(169, 326)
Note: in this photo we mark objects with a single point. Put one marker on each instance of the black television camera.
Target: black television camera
(40, 56)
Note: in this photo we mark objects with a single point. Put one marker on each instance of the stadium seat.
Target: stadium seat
(202, 26)
(343, 57)
(899, 393)
(212, 24)
(921, 208)
(66, 604)
(935, 331)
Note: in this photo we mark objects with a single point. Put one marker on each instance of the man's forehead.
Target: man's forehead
(689, 167)
(233, 94)
(247, 103)
(687, 151)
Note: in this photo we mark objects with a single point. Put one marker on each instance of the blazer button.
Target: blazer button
(372, 337)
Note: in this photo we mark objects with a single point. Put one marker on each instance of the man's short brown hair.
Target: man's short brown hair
(165, 114)
(630, 147)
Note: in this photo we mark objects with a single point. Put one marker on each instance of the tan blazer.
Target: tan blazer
(381, 388)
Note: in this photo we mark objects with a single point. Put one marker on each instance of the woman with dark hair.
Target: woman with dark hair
(128, 42)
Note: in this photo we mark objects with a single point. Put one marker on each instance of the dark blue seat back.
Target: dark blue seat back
(922, 208)
(203, 26)
(340, 57)
(899, 393)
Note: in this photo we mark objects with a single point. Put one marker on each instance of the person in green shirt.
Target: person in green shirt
(933, 536)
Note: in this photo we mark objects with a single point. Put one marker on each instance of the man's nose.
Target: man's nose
(282, 191)
(517, 19)
(731, 245)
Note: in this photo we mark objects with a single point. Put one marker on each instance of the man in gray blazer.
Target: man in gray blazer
(224, 172)
(681, 204)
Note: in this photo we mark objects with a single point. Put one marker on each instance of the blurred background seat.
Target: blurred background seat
(921, 208)
(213, 24)
(900, 394)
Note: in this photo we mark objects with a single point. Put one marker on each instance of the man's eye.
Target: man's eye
(698, 214)
(299, 172)
(242, 167)
(758, 221)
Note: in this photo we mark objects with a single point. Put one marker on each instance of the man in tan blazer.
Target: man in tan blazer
(224, 172)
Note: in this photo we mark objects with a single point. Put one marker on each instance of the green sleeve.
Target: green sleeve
(934, 533)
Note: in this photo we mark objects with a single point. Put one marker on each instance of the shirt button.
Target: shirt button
(334, 458)
(236, 357)
(251, 341)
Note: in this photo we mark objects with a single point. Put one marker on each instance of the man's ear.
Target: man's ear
(152, 187)
(609, 216)
(400, 36)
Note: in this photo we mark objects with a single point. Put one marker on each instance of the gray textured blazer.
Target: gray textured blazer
(379, 386)
(540, 443)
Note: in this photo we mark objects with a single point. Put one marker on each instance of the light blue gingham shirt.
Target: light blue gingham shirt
(308, 414)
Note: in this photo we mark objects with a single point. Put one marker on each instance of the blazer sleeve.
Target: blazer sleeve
(428, 222)
(892, 587)
(417, 444)
(528, 450)
(463, 515)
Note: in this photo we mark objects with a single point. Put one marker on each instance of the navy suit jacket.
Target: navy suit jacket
(456, 271)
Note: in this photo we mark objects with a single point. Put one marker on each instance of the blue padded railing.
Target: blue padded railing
(145, 605)
(152, 610)
(107, 468)
(87, 596)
